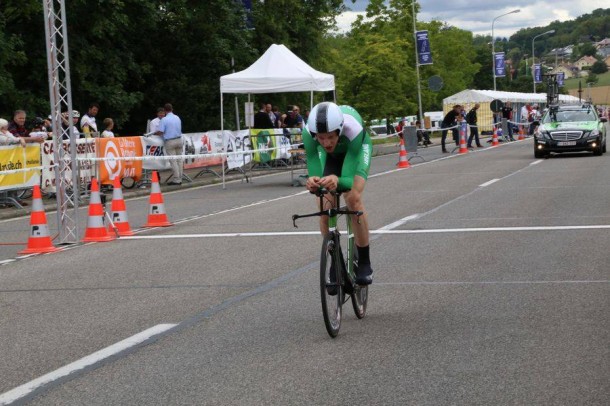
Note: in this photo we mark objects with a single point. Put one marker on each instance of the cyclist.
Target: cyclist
(338, 151)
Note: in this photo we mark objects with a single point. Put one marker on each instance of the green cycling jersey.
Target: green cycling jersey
(352, 154)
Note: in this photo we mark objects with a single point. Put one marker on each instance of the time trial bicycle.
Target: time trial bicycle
(338, 276)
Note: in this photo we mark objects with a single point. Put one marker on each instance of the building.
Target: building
(585, 61)
(569, 71)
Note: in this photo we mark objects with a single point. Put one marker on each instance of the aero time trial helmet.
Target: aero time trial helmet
(325, 117)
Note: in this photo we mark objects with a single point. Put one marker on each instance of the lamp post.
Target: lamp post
(493, 42)
(533, 55)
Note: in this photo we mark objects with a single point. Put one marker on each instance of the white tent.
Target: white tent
(277, 71)
(482, 96)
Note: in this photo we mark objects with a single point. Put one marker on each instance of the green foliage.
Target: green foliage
(599, 67)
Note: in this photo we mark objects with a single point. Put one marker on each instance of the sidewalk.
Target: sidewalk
(207, 178)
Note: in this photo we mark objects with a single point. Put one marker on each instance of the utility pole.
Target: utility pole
(421, 113)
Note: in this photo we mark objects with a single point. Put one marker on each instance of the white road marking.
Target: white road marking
(400, 222)
(485, 282)
(27, 388)
(536, 162)
(384, 230)
(6, 261)
(489, 182)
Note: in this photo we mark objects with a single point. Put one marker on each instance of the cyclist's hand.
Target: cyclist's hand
(330, 182)
(312, 184)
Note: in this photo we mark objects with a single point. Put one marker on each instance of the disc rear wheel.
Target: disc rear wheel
(330, 287)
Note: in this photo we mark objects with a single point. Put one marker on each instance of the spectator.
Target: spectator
(272, 116)
(18, 129)
(278, 117)
(507, 113)
(423, 136)
(154, 123)
(64, 124)
(48, 124)
(471, 119)
(88, 124)
(262, 119)
(306, 116)
(450, 120)
(171, 130)
(533, 119)
(108, 127)
(6, 137)
(38, 129)
(524, 116)
(293, 119)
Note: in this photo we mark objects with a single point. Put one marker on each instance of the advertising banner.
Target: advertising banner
(424, 55)
(17, 157)
(110, 148)
(203, 143)
(499, 66)
(154, 146)
(560, 79)
(537, 73)
(85, 148)
(236, 141)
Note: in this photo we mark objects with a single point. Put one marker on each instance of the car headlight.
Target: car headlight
(594, 133)
(543, 135)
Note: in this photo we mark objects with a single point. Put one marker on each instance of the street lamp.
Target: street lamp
(533, 56)
(493, 42)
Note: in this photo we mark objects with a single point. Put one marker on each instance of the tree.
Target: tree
(599, 67)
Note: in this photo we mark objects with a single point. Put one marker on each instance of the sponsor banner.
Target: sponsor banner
(237, 141)
(537, 73)
(126, 147)
(85, 148)
(203, 143)
(17, 157)
(271, 143)
(424, 55)
(154, 146)
(499, 66)
(560, 79)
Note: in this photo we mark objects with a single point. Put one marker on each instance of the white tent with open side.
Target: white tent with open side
(278, 70)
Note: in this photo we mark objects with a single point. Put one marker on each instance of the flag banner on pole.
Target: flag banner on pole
(423, 48)
(560, 79)
(537, 73)
(499, 68)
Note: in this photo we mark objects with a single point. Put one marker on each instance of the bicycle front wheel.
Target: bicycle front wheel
(360, 294)
(330, 286)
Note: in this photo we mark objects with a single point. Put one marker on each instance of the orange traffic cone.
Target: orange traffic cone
(39, 241)
(403, 162)
(521, 134)
(118, 211)
(156, 212)
(494, 140)
(463, 148)
(96, 232)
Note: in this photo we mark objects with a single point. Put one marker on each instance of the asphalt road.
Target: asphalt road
(491, 287)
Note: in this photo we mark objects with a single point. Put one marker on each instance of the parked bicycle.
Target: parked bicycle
(338, 276)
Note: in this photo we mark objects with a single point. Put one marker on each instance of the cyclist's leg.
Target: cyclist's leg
(360, 226)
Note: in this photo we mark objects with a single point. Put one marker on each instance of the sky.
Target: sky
(477, 15)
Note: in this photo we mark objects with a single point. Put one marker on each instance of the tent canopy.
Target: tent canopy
(278, 70)
(482, 96)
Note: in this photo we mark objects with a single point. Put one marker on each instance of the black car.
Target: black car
(570, 128)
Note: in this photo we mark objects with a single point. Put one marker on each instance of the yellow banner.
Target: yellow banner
(16, 157)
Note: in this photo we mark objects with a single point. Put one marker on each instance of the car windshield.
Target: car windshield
(563, 116)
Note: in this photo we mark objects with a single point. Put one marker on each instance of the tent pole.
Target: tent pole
(222, 134)
(311, 101)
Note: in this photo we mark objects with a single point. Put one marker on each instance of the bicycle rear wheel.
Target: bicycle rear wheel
(331, 290)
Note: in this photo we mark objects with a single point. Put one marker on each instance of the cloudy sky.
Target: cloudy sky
(477, 15)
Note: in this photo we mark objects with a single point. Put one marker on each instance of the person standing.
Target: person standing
(507, 113)
(471, 119)
(108, 127)
(450, 120)
(170, 128)
(87, 121)
(154, 123)
(18, 129)
(262, 119)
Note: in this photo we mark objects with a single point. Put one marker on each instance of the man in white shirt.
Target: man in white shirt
(170, 128)
(87, 122)
(154, 124)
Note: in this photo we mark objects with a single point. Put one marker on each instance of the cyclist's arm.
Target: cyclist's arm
(314, 163)
(357, 161)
